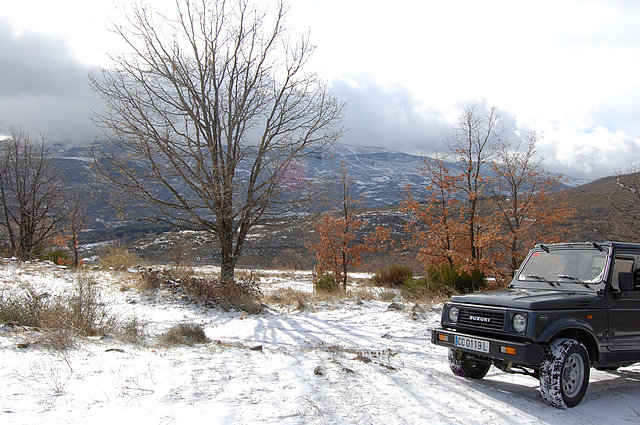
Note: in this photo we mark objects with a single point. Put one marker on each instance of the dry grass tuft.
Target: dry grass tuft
(393, 276)
(118, 258)
(289, 297)
(63, 318)
(58, 340)
(183, 334)
(243, 294)
(363, 293)
(81, 311)
(240, 295)
(150, 280)
(131, 330)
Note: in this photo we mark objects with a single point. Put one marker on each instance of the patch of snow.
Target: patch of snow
(344, 361)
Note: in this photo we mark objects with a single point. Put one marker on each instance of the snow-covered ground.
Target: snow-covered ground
(335, 362)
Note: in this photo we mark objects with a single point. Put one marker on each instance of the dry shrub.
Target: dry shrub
(58, 339)
(393, 276)
(86, 313)
(360, 293)
(131, 330)
(150, 280)
(239, 295)
(202, 288)
(426, 290)
(387, 295)
(184, 334)
(30, 308)
(327, 283)
(80, 312)
(181, 273)
(119, 258)
(242, 294)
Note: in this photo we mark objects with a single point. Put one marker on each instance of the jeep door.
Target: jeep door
(623, 306)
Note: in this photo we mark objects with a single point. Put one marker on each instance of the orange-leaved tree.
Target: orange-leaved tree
(339, 244)
(486, 202)
(452, 226)
(520, 195)
(433, 225)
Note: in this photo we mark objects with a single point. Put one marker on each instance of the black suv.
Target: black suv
(569, 307)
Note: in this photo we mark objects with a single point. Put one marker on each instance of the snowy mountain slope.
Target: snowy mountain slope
(312, 368)
(380, 175)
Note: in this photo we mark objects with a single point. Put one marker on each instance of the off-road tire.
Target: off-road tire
(463, 366)
(564, 373)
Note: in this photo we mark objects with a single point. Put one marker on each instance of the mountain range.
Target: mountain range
(379, 176)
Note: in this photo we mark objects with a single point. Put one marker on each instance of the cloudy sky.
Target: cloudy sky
(569, 70)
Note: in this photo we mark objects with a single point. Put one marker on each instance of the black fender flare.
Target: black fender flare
(570, 323)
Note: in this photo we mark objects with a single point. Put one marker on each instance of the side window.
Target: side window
(620, 265)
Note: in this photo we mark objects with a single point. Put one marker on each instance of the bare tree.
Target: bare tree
(209, 119)
(472, 147)
(75, 211)
(30, 193)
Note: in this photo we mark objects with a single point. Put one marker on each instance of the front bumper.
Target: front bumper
(524, 353)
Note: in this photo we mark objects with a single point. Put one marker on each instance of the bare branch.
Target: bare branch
(207, 117)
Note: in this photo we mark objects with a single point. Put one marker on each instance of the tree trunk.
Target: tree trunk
(472, 231)
(227, 269)
(227, 260)
(514, 252)
(7, 217)
(344, 271)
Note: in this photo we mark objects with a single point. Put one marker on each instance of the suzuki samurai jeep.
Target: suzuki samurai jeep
(569, 307)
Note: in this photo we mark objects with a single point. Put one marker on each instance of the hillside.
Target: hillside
(380, 176)
(592, 202)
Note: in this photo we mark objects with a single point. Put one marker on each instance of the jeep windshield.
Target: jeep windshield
(563, 268)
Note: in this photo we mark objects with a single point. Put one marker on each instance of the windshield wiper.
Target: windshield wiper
(573, 279)
(540, 278)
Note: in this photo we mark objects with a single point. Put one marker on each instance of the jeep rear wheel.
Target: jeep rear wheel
(564, 373)
(462, 365)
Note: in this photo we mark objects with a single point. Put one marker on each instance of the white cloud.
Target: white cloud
(596, 153)
(44, 88)
(568, 70)
(377, 115)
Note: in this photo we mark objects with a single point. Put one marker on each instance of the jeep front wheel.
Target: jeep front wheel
(564, 373)
(462, 365)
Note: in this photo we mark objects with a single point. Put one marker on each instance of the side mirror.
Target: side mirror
(625, 281)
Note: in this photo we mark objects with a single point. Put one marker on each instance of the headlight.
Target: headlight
(519, 322)
(453, 314)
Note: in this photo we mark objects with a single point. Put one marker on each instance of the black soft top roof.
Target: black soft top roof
(606, 244)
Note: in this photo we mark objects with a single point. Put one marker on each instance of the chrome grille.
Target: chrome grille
(481, 318)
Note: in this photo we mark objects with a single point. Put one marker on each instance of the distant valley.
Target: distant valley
(380, 178)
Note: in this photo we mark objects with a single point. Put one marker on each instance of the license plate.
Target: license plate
(472, 344)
